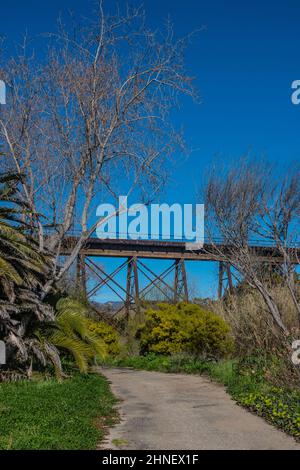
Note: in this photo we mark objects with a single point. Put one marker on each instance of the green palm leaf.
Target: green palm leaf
(72, 333)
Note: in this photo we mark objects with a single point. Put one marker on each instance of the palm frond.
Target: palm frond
(73, 334)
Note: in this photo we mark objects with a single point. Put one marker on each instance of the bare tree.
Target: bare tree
(95, 109)
(279, 225)
(244, 203)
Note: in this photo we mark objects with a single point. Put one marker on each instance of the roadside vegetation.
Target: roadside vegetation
(46, 414)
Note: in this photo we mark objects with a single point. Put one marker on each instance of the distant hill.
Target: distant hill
(108, 307)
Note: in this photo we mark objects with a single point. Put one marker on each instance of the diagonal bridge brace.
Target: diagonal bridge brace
(131, 295)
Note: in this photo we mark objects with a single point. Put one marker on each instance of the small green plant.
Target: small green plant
(185, 328)
(278, 406)
(119, 442)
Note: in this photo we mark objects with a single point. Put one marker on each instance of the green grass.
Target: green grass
(176, 363)
(51, 415)
(246, 384)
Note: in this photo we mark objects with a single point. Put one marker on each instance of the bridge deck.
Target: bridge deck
(157, 249)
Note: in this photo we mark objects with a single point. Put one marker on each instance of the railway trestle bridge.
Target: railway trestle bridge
(134, 253)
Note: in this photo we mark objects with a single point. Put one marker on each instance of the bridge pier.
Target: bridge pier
(131, 295)
(81, 274)
(225, 282)
(132, 286)
(180, 282)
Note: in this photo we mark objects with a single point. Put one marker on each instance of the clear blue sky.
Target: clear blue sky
(244, 61)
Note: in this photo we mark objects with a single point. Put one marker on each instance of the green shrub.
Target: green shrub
(184, 327)
(157, 362)
(108, 334)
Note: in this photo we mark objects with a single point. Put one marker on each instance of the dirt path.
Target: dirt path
(175, 411)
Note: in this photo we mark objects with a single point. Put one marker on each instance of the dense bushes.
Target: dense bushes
(108, 334)
(189, 328)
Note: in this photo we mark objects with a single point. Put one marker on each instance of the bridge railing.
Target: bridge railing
(258, 242)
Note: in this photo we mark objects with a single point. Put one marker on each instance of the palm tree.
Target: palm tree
(31, 328)
(23, 270)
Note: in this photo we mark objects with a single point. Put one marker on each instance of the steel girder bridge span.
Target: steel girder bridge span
(134, 253)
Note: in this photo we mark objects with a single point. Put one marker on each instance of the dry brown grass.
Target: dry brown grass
(255, 333)
(251, 323)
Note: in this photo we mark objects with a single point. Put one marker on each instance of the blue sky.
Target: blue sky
(244, 63)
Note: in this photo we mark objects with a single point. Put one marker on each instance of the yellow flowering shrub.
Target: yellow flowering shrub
(184, 327)
(108, 334)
